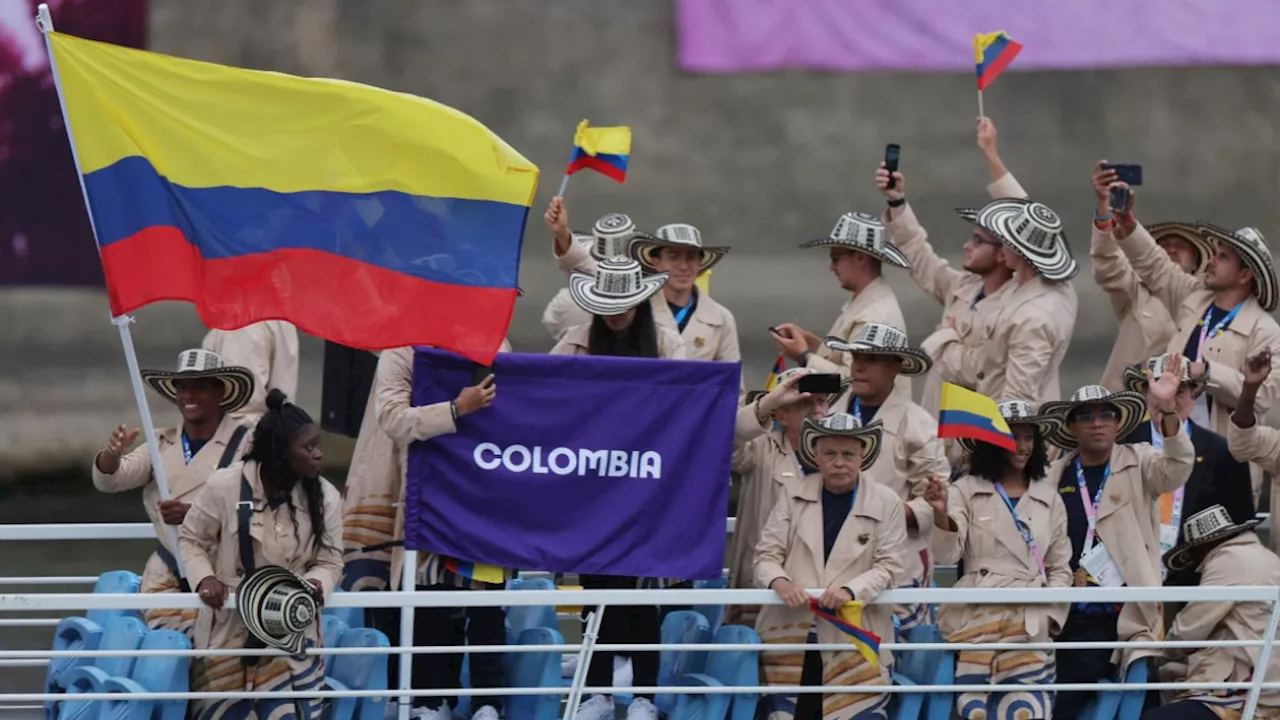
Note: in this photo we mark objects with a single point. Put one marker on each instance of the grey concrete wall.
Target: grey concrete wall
(758, 162)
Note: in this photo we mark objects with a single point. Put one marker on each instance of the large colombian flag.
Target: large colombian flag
(367, 217)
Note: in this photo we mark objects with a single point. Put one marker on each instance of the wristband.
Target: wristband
(1101, 218)
(453, 410)
(899, 202)
(804, 358)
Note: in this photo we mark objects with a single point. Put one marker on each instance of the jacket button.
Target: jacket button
(981, 375)
(983, 572)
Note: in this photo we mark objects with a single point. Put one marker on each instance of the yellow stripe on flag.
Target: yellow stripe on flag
(603, 140)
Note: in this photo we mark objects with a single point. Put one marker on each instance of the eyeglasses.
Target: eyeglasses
(1091, 415)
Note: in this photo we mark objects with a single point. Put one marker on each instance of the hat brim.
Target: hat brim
(254, 589)
(1178, 558)
(1135, 380)
(582, 290)
(1264, 273)
(914, 362)
(891, 253)
(1045, 425)
(870, 435)
(996, 218)
(643, 250)
(1132, 407)
(237, 384)
(1189, 233)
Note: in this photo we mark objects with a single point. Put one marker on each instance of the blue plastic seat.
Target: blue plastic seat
(681, 627)
(151, 673)
(358, 672)
(115, 582)
(535, 669)
(740, 668)
(121, 633)
(523, 617)
(85, 633)
(700, 707)
(1104, 706)
(352, 616)
(1131, 701)
(332, 628)
(713, 613)
(906, 706)
(929, 667)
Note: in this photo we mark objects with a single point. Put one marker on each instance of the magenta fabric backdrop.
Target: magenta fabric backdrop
(717, 36)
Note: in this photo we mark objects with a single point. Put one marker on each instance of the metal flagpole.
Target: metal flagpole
(408, 583)
(45, 22)
(981, 114)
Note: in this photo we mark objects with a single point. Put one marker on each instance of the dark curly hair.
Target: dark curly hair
(271, 439)
(989, 461)
(641, 336)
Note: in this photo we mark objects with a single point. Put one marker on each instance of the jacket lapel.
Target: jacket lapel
(1004, 527)
(856, 535)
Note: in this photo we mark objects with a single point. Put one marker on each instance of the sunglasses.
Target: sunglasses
(1091, 415)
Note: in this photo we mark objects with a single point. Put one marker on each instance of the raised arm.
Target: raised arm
(1162, 276)
(1226, 382)
(569, 255)
(934, 275)
(1246, 439)
(1003, 184)
(115, 472)
(1170, 469)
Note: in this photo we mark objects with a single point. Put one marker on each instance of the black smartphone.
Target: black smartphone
(820, 383)
(891, 152)
(1130, 174)
(1119, 198)
(776, 331)
(479, 373)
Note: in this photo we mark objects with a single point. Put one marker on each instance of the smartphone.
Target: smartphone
(891, 153)
(776, 331)
(820, 384)
(1130, 174)
(479, 373)
(1119, 198)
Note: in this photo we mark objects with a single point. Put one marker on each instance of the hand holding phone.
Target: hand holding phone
(1119, 198)
(891, 154)
(1128, 173)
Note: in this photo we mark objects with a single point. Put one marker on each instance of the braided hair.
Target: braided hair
(272, 436)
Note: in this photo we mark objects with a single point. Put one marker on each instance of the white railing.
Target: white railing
(605, 598)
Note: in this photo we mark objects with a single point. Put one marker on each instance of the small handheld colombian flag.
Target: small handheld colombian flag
(992, 52)
(967, 414)
(491, 574)
(848, 620)
(603, 149)
(779, 367)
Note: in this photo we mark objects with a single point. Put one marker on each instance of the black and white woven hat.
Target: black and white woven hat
(1131, 406)
(1020, 412)
(878, 339)
(277, 606)
(864, 233)
(1137, 376)
(613, 236)
(237, 382)
(617, 286)
(1210, 525)
(1030, 229)
(676, 235)
(1189, 233)
(840, 424)
(1252, 248)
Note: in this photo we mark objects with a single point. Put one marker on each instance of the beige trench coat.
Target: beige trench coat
(866, 559)
(1145, 322)
(956, 289)
(910, 454)
(1129, 524)
(1257, 444)
(711, 334)
(1240, 561)
(877, 303)
(575, 342)
(1025, 343)
(269, 349)
(767, 463)
(996, 556)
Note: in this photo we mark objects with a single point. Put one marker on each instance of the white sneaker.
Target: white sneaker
(597, 707)
(485, 713)
(642, 709)
(441, 713)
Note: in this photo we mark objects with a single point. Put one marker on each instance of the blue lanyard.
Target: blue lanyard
(856, 409)
(684, 311)
(1022, 527)
(1090, 508)
(1216, 330)
(186, 448)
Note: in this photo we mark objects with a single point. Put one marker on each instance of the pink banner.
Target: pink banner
(721, 36)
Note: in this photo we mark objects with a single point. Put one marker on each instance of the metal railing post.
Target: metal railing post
(408, 583)
(1264, 657)
(589, 635)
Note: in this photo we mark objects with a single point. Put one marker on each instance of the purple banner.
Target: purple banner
(758, 35)
(613, 466)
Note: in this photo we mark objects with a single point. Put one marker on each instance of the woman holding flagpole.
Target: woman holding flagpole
(1010, 527)
(848, 538)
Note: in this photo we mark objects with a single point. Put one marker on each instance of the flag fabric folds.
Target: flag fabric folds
(779, 367)
(367, 217)
(848, 620)
(967, 414)
(603, 149)
(623, 472)
(491, 574)
(993, 52)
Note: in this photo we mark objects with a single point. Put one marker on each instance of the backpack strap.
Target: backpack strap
(233, 445)
(244, 514)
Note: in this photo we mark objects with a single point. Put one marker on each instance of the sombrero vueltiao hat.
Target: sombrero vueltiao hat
(839, 424)
(864, 233)
(1136, 376)
(617, 286)
(676, 235)
(1030, 229)
(1132, 407)
(1210, 525)
(752, 395)
(1020, 412)
(877, 339)
(613, 235)
(237, 382)
(1253, 251)
(277, 606)
(1189, 233)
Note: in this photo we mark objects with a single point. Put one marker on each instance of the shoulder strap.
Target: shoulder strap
(229, 455)
(244, 512)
